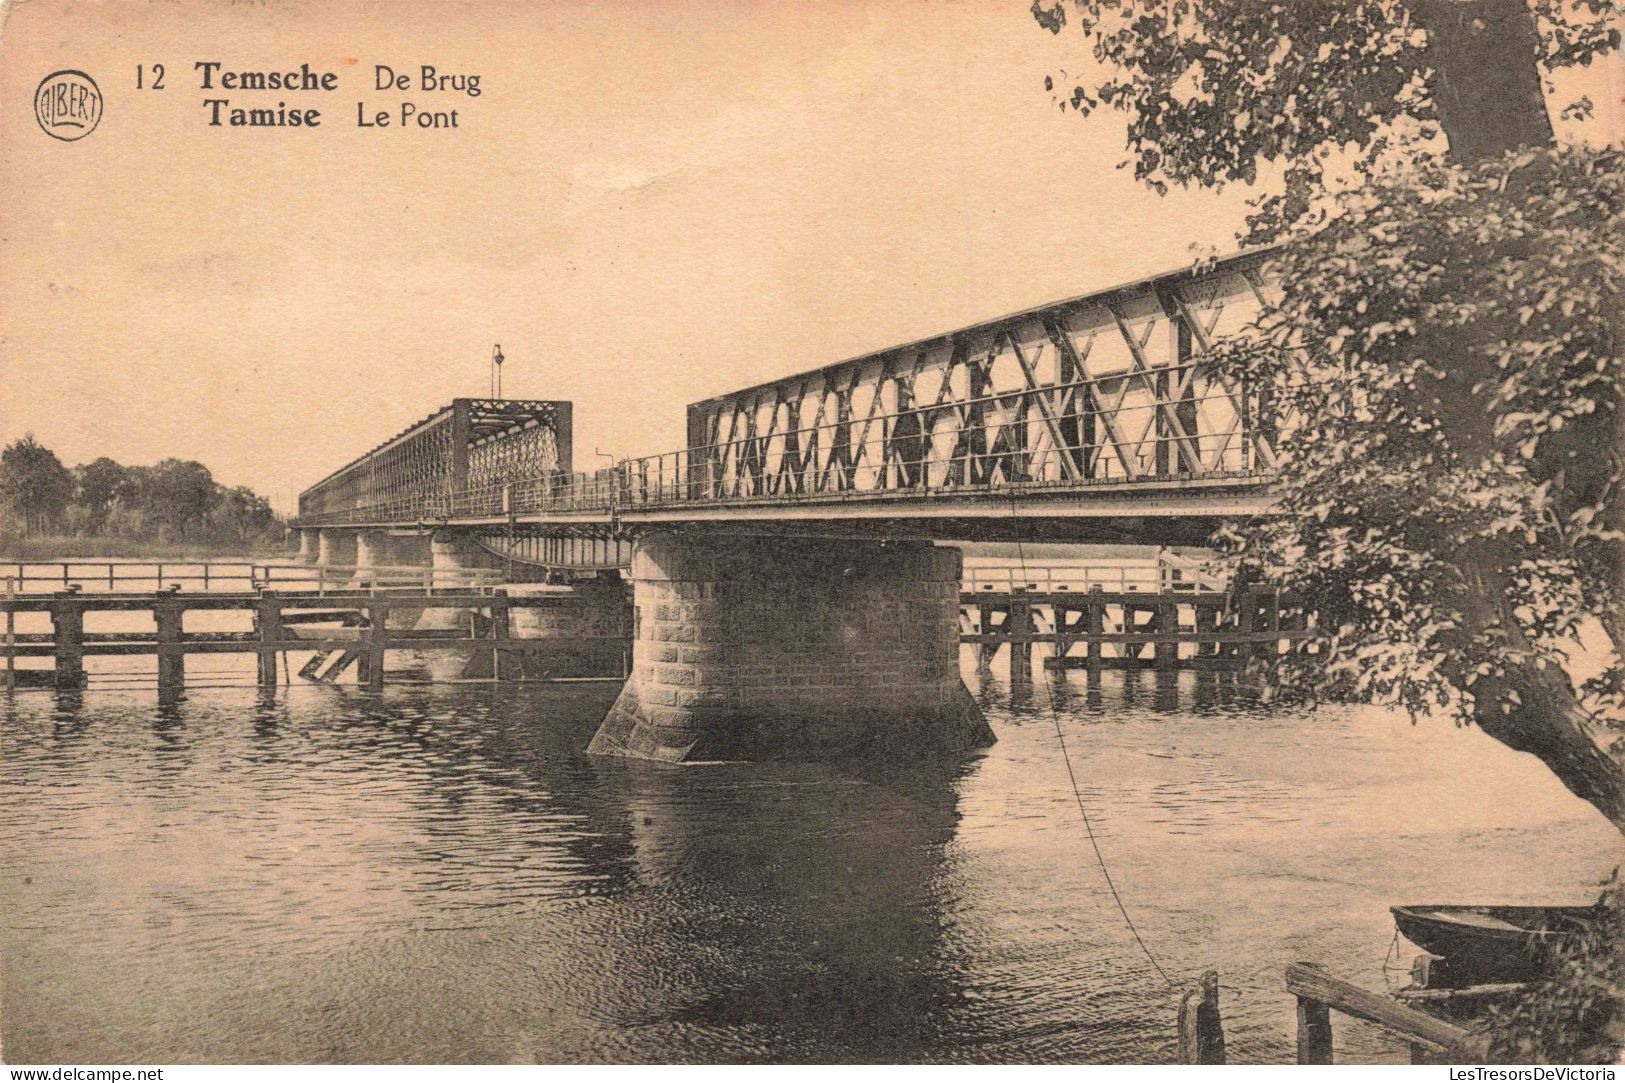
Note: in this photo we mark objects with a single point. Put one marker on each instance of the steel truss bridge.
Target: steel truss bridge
(1094, 418)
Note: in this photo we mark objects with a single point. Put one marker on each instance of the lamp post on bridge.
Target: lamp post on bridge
(496, 371)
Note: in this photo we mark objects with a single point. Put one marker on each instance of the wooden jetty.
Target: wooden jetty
(342, 627)
(1106, 629)
(341, 615)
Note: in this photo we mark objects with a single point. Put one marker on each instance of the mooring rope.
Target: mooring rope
(1066, 758)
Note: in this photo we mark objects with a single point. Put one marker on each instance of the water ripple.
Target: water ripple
(439, 874)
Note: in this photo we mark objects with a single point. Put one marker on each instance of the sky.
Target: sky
(646, 205)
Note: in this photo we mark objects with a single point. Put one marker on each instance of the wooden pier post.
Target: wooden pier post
(1095, 618)
(1314, 1032)
(1167, 632)
(376, 641)
(268, 616)
(1201, 1029)
(1021, 644)
(11, 635)
(1131, 626)
(502, 660)
(1060, 611)
(167, 616)
(1246, 610)
(1272, 624)
(68, 628)
(1204, 620)
(985, 652)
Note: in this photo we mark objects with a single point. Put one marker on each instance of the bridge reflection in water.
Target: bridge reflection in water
(439, 874)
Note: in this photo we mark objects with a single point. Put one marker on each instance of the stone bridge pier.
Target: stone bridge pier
(381, 549)
(336, 547)
(763, 648)
(453, 554)
(447, 554)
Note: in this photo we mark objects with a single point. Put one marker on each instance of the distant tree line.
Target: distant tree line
(171, 501)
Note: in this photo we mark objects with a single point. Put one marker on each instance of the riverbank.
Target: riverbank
(59, 547)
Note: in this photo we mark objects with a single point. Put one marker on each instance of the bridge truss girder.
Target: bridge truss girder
(1109, 387)
(470, 446)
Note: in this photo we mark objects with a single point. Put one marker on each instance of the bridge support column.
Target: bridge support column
(372, 550)
(752, 648)
(392, 556)
(335, 548)
(399, 553)
(410, 551)
(307, 546)
(451, 553)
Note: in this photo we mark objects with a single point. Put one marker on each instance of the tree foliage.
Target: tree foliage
(96, 487)
(1571, 1013)
(1446, 377)
(34, 485)
(1212, 90)
(180, 492)
(174, 500)
(1450, 471)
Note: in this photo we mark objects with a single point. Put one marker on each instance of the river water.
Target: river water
(436, 873)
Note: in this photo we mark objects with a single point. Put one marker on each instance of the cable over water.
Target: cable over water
(1072, 778)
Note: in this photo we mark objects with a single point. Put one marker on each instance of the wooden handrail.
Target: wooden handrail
(242, 575)
(1319, 994)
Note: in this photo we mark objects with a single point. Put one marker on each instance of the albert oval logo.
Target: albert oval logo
(68, 105)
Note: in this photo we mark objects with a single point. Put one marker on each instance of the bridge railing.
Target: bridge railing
(329, 579)
(695, 477)
(553, 492)
(923, 451)
(417, 509)
(44, 576)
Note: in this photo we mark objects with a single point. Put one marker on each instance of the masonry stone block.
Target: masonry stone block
(759, 648)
